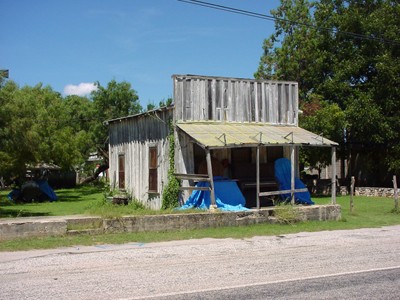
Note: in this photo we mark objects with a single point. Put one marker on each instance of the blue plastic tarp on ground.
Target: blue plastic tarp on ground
(283, 177)
(228, 196)
(40, 184)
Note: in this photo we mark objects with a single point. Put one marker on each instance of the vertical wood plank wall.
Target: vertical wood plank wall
(133, 137)
(200, 98)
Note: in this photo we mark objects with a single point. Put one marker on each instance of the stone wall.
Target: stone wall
(319, 187)
(374, 192)
(58, 226)
(216, 219)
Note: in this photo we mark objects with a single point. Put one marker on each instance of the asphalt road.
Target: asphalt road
(348, 264)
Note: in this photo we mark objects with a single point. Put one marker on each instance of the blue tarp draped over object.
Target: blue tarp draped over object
(283, 177)
(47, 189)
(34, 189)
(228, 196)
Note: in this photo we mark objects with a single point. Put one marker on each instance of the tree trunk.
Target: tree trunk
(96, 174)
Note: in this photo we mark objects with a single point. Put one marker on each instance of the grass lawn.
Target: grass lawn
(70, 202)
(84, 200)
(368, 212)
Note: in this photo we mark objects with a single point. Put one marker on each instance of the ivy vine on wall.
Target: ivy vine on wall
(170, 196)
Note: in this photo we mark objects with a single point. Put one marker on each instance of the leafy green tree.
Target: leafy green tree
(326, 119)
(36, 127)
(7, 157)
(346, 52)
(114, 101)
(80, 116)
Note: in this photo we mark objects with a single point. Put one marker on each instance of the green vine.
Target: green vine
(170, 196)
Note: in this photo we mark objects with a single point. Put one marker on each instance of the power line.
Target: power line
(272, 18)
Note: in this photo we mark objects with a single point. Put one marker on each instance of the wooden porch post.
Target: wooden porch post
(258, 177)
(292, 185)
(333, 187)
(210, 175)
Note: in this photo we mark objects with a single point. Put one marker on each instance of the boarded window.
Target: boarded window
(153, 183)
(121, 171)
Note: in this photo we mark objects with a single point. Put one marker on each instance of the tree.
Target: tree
(36, 125)
(346, 52)
(81, 118)
(326, 119)
(115, 101)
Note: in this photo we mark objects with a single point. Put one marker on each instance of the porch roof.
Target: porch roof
(234, 134)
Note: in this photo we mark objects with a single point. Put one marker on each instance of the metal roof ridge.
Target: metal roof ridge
(211, 122)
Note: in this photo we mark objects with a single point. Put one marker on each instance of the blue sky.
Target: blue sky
(74, 43)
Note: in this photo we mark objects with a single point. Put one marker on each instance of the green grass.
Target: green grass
(368, 212)
(84, 200)
(70, 202)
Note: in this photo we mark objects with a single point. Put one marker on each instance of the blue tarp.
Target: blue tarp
(228, 196)
(40, 184)
(47, 189)
(283, 177)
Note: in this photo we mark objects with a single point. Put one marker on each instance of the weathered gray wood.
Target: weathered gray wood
(235, 100)
(195, 188)
(351, 194)
(210, 175)
(196, 98)
(334, 183)
(258, 177)
(396, 194)
(292, 182)
(263, 194)
(195, 177)
(133, 137)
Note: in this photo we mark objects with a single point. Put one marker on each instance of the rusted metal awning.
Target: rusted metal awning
(220, 135)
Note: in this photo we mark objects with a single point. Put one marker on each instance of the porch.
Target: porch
(245, 153)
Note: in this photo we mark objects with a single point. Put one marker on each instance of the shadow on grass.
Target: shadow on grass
(16, 213)
(69, 198)
(76, 194)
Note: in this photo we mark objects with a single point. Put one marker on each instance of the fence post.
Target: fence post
(351, 194)
(396, 194)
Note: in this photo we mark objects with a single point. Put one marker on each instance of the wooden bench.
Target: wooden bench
(246, 174)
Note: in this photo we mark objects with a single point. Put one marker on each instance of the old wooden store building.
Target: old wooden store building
(229, 127)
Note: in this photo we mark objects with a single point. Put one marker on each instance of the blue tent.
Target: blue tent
(283, 177)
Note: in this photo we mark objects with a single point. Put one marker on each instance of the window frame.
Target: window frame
(121, 171)
(153, 169)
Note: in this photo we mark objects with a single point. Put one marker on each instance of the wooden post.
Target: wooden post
(396, 194)
(351, 194)
(334, 183)
(292, 185)
(210, 175)
(258, 177)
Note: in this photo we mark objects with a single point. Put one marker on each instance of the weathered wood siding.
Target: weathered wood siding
(199, 98)
(132, 137)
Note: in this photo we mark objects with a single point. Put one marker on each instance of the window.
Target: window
(121, 171)
(153, 183)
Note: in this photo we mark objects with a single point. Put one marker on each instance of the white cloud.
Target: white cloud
(82, 89)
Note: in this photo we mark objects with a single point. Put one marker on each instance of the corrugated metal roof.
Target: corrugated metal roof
(218, 134)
